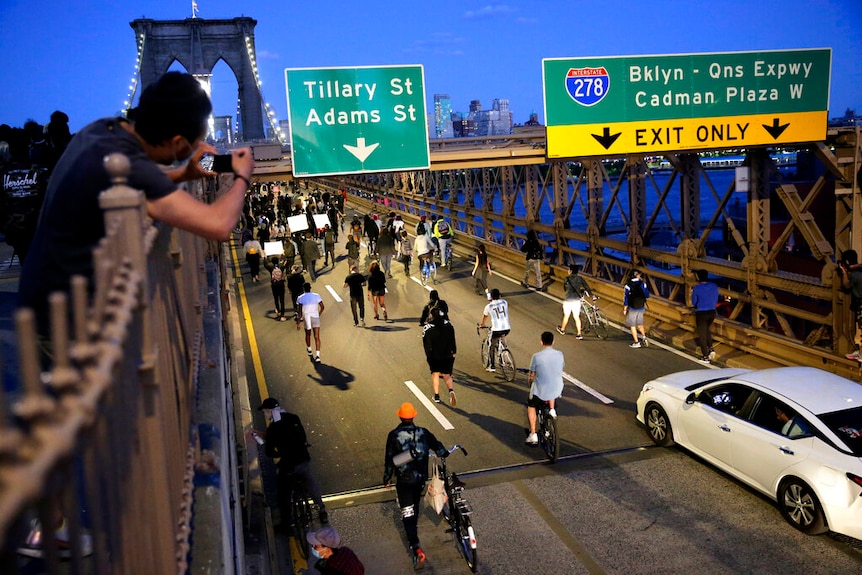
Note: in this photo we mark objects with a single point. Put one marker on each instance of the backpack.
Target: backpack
(443, 230)
(420, 229)
(277, 275)
(637, 297)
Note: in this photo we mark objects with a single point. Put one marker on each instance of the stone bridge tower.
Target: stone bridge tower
(198, 44)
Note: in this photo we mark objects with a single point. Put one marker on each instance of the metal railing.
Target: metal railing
(100, 436)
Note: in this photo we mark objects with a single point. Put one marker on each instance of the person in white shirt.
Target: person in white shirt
(498, 310)
(310, 306)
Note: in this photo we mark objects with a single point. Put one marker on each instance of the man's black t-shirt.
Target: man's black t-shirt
(71, 222)
(286, 439)
(355, 281)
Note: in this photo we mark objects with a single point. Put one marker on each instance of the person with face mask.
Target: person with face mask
(333, 558)
(170, 125)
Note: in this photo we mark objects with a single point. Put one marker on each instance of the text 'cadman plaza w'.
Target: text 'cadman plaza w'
(356, 120)
(644, 104)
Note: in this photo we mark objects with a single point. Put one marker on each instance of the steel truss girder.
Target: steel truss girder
(766, 298)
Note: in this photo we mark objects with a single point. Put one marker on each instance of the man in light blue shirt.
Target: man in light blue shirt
(546, 382)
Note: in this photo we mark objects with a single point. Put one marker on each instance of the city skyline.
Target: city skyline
(80, 59)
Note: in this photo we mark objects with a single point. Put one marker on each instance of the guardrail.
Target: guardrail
(101, 439)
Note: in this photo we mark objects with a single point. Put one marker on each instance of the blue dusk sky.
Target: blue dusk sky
(79, 56)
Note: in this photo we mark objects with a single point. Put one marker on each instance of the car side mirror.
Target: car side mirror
(692, 397)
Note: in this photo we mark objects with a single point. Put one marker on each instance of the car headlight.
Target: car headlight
(647, 387)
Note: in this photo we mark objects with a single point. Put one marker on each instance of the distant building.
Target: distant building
(850, 118)
(443, 117)
(222, 130)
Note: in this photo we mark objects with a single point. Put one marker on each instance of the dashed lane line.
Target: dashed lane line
(578, 383)
(333, 293)
(429, 405)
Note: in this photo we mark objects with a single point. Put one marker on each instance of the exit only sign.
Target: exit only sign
(357, 120)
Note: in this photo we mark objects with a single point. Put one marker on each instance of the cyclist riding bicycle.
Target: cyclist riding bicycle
(498, 310)
(546, 382)
(423, 248)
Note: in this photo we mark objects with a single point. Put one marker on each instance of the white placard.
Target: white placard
(743, 176)
(297, 223)
(273, 248)
(321, 221)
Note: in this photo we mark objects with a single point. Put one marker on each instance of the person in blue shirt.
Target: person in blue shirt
(635, 296)
(704, 297)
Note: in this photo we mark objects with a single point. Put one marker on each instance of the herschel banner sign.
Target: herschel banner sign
(638, 104)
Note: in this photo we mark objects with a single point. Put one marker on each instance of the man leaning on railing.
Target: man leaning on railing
(169, 127)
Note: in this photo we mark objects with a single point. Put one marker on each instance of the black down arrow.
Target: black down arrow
(606, 139)
(775, 130)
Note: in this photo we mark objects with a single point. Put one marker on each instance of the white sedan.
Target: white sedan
(793, 433)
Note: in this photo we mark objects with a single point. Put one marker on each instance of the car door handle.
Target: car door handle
(723, 427)
(786, 450)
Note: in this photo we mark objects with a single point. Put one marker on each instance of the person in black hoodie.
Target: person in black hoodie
(438, 339)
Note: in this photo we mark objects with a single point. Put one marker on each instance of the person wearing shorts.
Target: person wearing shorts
(310, 308)
(438, 339)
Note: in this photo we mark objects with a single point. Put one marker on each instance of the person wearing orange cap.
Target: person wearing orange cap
(407, 449)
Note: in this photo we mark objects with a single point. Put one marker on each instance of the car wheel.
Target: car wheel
(800, 506)
(658, 425)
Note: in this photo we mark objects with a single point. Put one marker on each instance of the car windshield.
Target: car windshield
(847, 424)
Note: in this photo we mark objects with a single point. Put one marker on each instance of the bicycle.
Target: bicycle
(427, 268)
(592, 319)
(457, 512)
(300, 511)
(502, 356)
(546, 428)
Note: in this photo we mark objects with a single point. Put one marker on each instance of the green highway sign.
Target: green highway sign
(356, 120)
(634, 104)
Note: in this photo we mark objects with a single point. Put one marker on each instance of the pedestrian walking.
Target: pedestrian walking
(481, 269)
(704, 298)
(353, 252)
(386, 249)
(410, 445)
(354, 282)
(438, 340)
(377, 289)
(328, 245)
(635, 295)
(310, 255)
(277, 282)
(406, 249)
(253, 253)
(533, 251)
(310, 308)
(295, 281)
(576, 287)
(851, 282)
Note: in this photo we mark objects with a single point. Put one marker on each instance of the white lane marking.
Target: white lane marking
(332, 292)
(427, 287)
(588, 389)
(429, 405)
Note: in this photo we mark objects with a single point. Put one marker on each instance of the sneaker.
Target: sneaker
(553, 413)
(452, 400)
(436, 398)
(310, 351)
(524, 284)
(635, 344)
(418, 559)
(854, 355)
(282, 318)
(644, 342)
(317, 358)
(356, 325)
(560, 330)
(579, 336)
(491, 369)
(324, 517)
(704, 359)
(712, 355)
(532, 439)
(363, 323)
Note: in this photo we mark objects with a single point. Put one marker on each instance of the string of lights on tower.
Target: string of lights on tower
(269, 112)
(133, 83)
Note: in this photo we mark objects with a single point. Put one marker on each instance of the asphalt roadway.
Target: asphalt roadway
(612, 504)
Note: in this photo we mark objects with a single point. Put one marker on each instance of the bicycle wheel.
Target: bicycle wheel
(466, 539)
(548, 437)
(586, 324)
(507, 365)
(485, 350)
(601, 326)
(301, 520)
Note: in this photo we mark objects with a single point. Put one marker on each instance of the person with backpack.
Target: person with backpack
(278, 282)
(533, 251)
(635, 297)
(444, 235)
